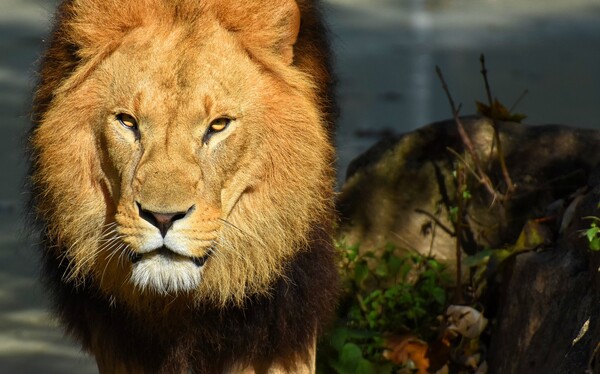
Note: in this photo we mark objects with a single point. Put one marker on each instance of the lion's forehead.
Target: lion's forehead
(174, 68)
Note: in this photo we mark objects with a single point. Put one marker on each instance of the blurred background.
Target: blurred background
(386, 52)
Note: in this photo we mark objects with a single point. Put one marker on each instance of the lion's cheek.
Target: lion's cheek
(245, 173)
(118, 161)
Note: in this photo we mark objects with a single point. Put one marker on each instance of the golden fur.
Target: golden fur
(181, 175)
(255, 188)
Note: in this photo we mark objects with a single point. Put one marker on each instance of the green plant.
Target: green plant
(593, 234)
(384, 294)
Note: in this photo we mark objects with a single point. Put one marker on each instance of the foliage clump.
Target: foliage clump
(386, 295)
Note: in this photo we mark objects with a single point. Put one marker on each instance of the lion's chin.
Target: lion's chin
(165, 273)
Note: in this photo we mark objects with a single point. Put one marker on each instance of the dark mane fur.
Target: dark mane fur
(205, 339)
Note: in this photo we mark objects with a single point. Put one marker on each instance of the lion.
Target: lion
(181, 179)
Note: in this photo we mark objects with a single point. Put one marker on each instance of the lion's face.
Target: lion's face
(181, 141)
(183, 162)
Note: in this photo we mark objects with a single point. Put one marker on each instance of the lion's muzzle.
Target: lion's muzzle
(163, 221)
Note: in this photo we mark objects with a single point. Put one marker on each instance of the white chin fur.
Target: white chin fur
(166, 274)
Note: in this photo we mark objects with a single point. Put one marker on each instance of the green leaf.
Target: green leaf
(352, 252)
(373, 295)
(595, 244)
(361, 272)
(365, 367)
(453, 213)
(592, 232)
(381, 269)
(439, 295)
(478, 258)
(394, 264)
(350, 356)
(496, 259)
(362, 334)
(533, 235)
(405, 270)
(466, 194)
(338, 367)
(369, 254)
(375, 305)
(372, 318)
(338, 338)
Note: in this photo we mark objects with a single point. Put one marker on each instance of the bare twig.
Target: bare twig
(481, 175)
(488, 91)
(491, 154)
(465, 163)
(446, 229)
(518, 100)
(433, 230)
(463, 168)
(507, 179)
(406, 243)
(460, 186)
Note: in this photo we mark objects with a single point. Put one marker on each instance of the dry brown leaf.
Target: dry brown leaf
(404, 348)
(499, 112)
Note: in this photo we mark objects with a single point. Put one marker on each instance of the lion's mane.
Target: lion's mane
(261, 306)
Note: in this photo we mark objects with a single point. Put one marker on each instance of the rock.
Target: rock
(542, 302)
(402, 190)
(548, 320)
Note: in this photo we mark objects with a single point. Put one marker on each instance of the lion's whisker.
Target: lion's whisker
(108, 244)
(124, 253)
(110, 257)
(232, 249)
(247, 234)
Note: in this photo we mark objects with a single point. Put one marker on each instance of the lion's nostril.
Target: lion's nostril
(163, 221)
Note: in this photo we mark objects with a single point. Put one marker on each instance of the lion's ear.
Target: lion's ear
(291, 28)
(97, 27)
(267, 24)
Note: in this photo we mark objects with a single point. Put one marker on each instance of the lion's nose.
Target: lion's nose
(163, 221)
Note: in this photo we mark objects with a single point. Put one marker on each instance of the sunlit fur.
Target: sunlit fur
(245, 279)
(257, 187)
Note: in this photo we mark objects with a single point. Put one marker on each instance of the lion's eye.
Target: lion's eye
(219, 124)
(127, 121)
(216, 126)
